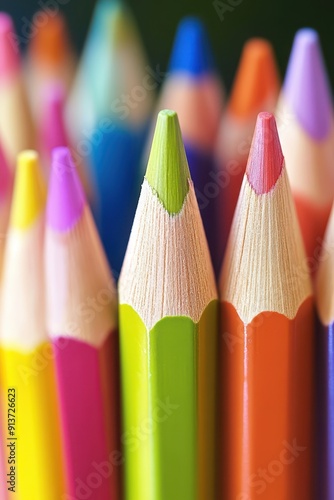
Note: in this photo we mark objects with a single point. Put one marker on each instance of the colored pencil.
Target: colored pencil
(193, 89)
(325, 366)
(307, 135)
(81, 302)
(16, 127)
(168, 305)
(255, 89)
(26, 358)
(115, 82)
(50, 56)
(266, 337)
(53, 132)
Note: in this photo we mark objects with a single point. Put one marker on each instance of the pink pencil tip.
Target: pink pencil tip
(265, 159)
(66, 199)
(9, 47)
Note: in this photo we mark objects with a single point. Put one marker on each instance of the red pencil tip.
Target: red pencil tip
(265, 159)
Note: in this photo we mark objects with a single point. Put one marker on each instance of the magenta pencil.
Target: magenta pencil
(81, 307)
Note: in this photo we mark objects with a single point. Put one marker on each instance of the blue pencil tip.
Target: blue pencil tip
(191, 51)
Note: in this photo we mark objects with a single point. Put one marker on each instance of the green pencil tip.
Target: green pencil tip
(167, 170)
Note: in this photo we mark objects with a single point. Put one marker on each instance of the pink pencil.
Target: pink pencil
(81, 312)
(53, 131)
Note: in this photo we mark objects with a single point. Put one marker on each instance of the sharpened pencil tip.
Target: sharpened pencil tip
(265, 159)
(191, 51)
(9, 47)
(257, 81)
(29, 191)
(66, 199)
(167, 170)
(306, 87)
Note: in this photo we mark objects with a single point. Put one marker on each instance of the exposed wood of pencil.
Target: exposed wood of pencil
(167, 263)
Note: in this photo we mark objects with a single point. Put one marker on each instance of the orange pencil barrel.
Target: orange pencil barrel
(268, 403)
(267, 338)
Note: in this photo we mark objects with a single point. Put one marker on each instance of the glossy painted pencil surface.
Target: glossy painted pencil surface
(307, 135)
(266, 338)
(81, 322)
(27, 366)
(168, 313)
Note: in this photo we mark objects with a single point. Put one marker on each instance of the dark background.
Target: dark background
(274, 19)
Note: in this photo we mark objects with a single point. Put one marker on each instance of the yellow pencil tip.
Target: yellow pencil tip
(29, 191)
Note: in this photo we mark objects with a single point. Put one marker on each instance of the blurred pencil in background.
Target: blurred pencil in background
(16, 125)
(50, 57)
(26, 356)
(81, 321)
(267, 343)
(325, 365)
(53, 132)
(114, 79)
(192, 87)
(255, 89)
(307, 135)
(168, 320)
(6, 188)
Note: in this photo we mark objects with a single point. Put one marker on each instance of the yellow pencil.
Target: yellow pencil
(30, 414)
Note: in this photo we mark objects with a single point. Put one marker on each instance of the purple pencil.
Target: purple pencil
(325, 368)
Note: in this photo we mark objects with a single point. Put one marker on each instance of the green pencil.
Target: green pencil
(168, 319)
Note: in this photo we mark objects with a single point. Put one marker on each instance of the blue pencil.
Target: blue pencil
(117, 88)
(192, 88)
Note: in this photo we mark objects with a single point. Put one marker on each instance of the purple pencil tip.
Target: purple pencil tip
(306, 87)
(66, 199)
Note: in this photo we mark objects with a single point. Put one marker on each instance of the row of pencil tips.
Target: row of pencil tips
(164, 386)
